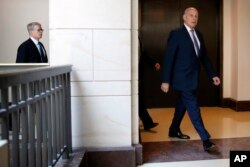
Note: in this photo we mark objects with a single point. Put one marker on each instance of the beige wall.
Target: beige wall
(243, 38)
(96, 37)
(134, 70)
(236, 50)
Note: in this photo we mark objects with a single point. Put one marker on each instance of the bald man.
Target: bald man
(184, 54)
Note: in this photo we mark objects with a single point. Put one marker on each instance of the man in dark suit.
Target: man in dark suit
(32, 51)
(144, 60)
(184, 53)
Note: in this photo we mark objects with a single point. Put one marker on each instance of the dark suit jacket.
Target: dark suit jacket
(181, 65)
(144, 60)
(28, 53)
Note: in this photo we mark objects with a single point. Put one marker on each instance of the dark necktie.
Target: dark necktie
(196, 46)
(41, 52)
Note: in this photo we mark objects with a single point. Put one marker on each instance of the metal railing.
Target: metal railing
(35, 114)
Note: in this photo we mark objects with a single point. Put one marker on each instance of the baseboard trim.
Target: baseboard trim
(138, 153)
(113, 156)
(236, 105)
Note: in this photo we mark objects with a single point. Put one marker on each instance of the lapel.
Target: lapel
(36, 52)
(186, 33)
(34, 48)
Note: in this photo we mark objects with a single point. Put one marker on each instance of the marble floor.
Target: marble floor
(228, 129)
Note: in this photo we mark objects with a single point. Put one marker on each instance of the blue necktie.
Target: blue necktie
(196, 46)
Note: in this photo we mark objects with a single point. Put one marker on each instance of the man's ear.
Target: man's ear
(184, 17)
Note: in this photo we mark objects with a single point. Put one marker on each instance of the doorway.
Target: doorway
(157, 19)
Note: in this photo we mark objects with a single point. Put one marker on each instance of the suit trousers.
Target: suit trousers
(187, 101)
(143, 113)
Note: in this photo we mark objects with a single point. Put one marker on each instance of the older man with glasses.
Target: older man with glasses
(32, 50)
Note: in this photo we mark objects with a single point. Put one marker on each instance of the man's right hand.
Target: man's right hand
(165, 87)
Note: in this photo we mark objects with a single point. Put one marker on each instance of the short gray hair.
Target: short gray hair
(30, 26)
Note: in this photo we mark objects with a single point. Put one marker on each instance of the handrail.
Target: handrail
(35, 114)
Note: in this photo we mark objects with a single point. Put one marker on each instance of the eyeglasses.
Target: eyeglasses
(40, 30)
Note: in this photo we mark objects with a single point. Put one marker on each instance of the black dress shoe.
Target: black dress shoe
(151, 126)
(208, 145)
(178, 135)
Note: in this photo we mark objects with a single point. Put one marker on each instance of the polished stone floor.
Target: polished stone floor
(229, 131)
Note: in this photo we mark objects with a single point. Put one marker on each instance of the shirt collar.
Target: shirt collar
(188, 28)
(34, 40)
